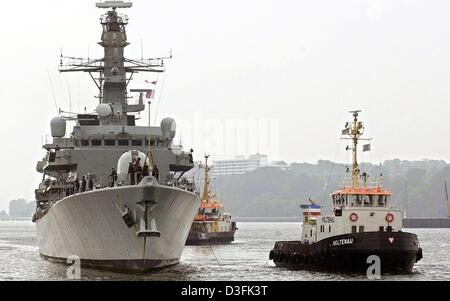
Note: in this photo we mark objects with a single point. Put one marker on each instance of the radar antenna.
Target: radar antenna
(114, 4)
(114, 70)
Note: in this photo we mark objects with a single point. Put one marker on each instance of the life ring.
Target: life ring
(353, 217)
(389, 217)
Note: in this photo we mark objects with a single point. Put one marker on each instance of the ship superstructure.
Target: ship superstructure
(113, 193)
(211, 225)
(363, 223)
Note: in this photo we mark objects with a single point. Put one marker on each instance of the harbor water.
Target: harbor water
(244, 260)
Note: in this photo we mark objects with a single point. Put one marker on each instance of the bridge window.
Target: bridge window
(365, 200)
(84, 142)
(124, 142)
(329, 228)
(381, 201)
(339, 200)
(110, 142)
(96, 142)
(353, 229)
(52, 157)
(361, 228)
(136, 143)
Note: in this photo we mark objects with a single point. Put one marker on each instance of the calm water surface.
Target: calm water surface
(246, 259)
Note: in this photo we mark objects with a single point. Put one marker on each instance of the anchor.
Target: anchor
(148, 227)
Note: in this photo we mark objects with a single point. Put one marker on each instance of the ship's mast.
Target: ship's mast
(205, 196)
(355, 130)
(115, 72)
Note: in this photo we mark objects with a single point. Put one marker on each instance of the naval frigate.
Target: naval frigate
(113, 193)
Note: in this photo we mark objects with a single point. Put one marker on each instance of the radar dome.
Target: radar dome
(103, 110)
(58, 127)
(169, 128)
(124, 163)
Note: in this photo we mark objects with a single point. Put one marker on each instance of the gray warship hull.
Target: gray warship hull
(91, 227)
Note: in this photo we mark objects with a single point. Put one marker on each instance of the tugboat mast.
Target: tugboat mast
(355, 130)
(205, 196)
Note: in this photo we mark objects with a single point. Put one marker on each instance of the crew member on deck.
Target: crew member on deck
(113, 178)
(145, 170)
(132, 174)
(83, 184)
(138, 168)
(155, 172)
(77, 185)
(91, 184)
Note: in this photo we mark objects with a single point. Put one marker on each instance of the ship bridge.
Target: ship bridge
(364, 197)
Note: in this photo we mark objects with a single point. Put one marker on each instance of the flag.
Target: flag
(367, 148)
(150, 94)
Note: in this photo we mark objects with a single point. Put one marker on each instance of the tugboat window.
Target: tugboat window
(84, 142)
(110, 142)
(381, 229)
(124, 142)
(361, 228)
(353, 229)
(366, 201)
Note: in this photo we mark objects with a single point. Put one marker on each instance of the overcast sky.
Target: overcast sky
(294, 67)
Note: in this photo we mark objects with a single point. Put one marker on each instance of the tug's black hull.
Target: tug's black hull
(219, 238)
(398, 252)
(200, 236)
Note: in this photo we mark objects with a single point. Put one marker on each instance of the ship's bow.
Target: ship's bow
(133, 228)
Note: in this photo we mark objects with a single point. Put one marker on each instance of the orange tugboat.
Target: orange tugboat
(211, 225)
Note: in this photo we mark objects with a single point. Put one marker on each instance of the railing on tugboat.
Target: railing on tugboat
(347, 182)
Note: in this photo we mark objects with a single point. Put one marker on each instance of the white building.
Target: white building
(240, 165)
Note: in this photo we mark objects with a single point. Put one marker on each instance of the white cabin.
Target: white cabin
(355, 210)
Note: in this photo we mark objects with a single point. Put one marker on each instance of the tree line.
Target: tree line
(417, 186)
